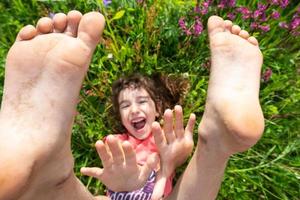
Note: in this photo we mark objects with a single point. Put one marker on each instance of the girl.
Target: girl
(138, 102)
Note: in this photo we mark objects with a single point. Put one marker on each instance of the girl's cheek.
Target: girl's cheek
(123, 114)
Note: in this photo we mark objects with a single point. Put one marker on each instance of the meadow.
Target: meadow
(170, 36)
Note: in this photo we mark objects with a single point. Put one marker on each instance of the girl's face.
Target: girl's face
(137, 111)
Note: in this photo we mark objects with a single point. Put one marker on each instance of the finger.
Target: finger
(92, 171)
(152, 164)
(158, 135)
(168, 126)
(104, 154)
(159, 188)
(189, 129)
(116, 150)
(129, 154)
(179, 128)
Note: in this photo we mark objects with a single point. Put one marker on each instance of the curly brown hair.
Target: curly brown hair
(165, 90)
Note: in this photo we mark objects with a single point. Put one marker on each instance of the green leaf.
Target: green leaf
(271, 109)
(118, 15)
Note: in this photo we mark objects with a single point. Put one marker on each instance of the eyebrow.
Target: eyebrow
(143, 97)
(138, 97)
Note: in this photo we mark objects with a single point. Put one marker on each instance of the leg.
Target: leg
(44, 71)
(233, 120)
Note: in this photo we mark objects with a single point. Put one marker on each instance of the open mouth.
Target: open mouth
(139, 123)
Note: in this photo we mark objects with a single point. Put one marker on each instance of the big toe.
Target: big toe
(91, 28)
(215, 25)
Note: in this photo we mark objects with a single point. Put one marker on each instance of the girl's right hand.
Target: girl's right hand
(120, 170)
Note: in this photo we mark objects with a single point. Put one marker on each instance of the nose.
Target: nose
(134, 109)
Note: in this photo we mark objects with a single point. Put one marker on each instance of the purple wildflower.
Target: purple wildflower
(246, 13)
(264, 28)
(253, 25)
(260, 12)
(51, 15)
(283, 25)
(275, 15)
(231, 16)
(198, 27)
(183, 27)
(267, 75)
(188, 32)
(263, 17)
(257, 14)
(106, 2)
(181, 23)
(205, 6)
(209, 2)
(296, 14)
(197, 9)
(231, 3)
(284, 3)
(222, 4)
(295, 23)
(262, 7)
(227, 3)
(274, 2)
(203, 9)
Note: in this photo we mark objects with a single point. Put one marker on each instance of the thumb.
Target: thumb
(92, 171)
(159, 187)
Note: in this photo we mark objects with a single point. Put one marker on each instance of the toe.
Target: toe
(26, 33)
(73, 19)
(236, 29)
(244, 34)
(60, 22)
(253, 40)
(91, 28)
(215, 25)
(45, 25)
(228, 25)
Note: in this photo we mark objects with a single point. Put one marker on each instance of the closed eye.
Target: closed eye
(124, 105)
(143, 101)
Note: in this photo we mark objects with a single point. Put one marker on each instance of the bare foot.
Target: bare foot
(44, 71)
(45, 68)
(233, 118)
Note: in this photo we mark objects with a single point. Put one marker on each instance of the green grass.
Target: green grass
(147, 38)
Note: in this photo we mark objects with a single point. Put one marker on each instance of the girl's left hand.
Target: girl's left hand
(175, 144)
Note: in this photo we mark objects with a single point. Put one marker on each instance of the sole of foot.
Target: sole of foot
(44, 72)
(233, 116)
(45, 68)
